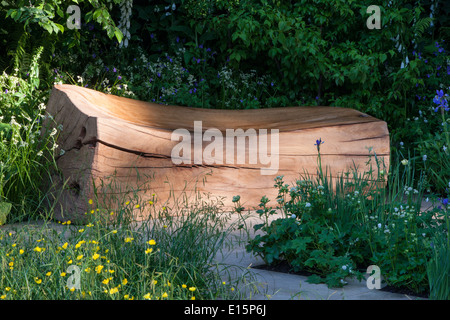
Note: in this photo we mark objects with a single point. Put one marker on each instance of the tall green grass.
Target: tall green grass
(171, 254)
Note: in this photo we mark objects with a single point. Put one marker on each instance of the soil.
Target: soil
(284, 267)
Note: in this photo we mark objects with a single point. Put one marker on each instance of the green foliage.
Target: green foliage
(438, 268)
(337, 229)
(161, 257)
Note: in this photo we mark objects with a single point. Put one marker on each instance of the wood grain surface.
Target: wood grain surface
(118, 144)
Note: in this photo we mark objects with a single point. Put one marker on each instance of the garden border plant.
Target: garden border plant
(336, 229)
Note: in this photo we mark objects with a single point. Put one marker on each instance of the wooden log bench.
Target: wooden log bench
(232, 152)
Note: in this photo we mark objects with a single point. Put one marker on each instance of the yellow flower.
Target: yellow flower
(111, 213)
(81, 230)
(21, 251)
(114, 290)
(63, 274)
(151, 242)
(149, 250)
(79, 244)
(154, 282)
(114, 231)
(127, 203)
(3, 297)
(80, 257)
(184, 286)
(137, 206)
(70, 261)
(64, 246)
(38, 249)
(8, 288)
(106, 281)
(124, 281)
(87, 270)
(72, 289)
(150, 202)
(147, 296)
(95, 256)
(165, 295)
(129, 239)
(111, 271)
(92, 211)
(48, 274)
(11, 264)
(192, 289)
(99, 268)
(193, 298)
(405, 162)
(89, 225)
(37, 280)
(90, 201)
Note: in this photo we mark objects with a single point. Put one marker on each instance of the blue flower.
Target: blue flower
(318, 143)
(440, 100)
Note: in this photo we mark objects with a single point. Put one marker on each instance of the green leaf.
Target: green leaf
(5, 208)
(118, 35)
(315, 279)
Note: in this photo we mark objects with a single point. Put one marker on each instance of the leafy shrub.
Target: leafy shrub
(25, 153)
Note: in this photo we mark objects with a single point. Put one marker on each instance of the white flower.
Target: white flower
(293, 216)
(344, 267)
(307, 205)
(424, 158)
(404, 162)
(379, 226)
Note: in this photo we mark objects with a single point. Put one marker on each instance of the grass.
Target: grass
(166, 256)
